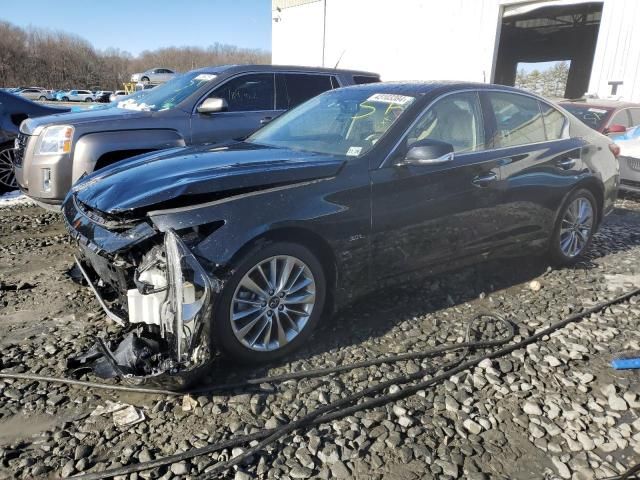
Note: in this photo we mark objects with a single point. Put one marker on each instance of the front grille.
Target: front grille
(634, 164)
(20, 146)
(630, 183)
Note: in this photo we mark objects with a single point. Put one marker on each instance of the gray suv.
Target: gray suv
(202, 106)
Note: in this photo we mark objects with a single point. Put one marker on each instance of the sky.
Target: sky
(136, 25)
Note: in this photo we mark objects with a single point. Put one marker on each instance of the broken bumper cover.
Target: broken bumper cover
(166, 336)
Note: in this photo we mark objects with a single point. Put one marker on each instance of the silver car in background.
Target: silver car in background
(33, 94)
(154, 75)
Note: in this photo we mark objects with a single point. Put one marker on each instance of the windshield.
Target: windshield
(594, 117)
(167, 95)
(340, 122)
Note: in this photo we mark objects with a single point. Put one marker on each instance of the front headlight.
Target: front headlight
(188, 304)
(56, 140)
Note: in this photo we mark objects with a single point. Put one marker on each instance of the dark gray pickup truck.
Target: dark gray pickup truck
(202, 106)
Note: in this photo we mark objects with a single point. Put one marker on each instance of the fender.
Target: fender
(89, 148)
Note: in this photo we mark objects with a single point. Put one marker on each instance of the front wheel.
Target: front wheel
(271, 303)
(145, 80)
(42, 98)
(65, 99)
(575, 227)
(7, 177)
(88, 100)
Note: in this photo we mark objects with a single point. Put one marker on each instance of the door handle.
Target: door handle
(485, 180)
(567, 163)
(265, 120)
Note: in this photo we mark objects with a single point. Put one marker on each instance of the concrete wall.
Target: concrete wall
(617, 56)
(439, 39)
(402, 40)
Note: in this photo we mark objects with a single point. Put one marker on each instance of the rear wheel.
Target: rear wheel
(271, 303)
(7, 177)
(145, 80)
(574, 228)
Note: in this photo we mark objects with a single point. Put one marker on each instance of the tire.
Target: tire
(42, 99)
(7, 178)
(65, 99)
(145, 80)
(88, 100)
(571, 239)
(233, 338)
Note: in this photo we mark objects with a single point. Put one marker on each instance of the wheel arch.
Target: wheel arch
(310, 239)
(596, 187)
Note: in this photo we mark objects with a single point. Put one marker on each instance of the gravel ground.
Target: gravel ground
(553, 410)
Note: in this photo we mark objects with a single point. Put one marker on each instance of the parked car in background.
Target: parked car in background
(102, 96)
(13, 110)
(207, 105)
(355, 190)
(117, 95)
(629, 143)
(605, 116)
(33, 94)
(76, 96)
(154, 75)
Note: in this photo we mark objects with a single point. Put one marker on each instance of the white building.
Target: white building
(476, 40)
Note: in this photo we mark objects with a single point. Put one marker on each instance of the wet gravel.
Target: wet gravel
(553, 410)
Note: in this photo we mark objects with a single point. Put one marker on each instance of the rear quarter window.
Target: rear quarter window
(554, 122)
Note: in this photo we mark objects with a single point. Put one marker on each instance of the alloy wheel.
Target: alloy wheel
(576, 227)
(7, 177)
(272, 303)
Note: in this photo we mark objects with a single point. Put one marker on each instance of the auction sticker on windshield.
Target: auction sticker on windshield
(354, 151)
(205, 77)
(390, 98)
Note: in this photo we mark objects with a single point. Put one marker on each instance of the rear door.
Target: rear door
(428, 214)
(539, 163)
(251, 101)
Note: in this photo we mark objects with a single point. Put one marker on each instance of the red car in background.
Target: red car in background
(605, 116)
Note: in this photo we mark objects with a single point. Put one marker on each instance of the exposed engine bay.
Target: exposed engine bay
(164, 304)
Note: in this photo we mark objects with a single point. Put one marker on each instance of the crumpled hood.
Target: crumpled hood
(190, 175)
(117, 115)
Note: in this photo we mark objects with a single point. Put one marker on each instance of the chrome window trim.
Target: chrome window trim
(386, 160)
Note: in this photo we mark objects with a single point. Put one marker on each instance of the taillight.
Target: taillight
(615, 149)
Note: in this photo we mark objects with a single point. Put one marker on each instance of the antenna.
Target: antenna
(336, 65)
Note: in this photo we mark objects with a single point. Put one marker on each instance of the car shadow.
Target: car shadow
(375, 315)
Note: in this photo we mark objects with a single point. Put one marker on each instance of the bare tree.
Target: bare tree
(59, 60)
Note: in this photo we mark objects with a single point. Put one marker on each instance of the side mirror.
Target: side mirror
(615, 128)
(428, 152)
(213, 105)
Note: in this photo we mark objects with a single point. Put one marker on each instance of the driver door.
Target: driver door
(428, 214)
(251, 103)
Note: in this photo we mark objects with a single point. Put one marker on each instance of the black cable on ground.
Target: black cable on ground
(333, 411)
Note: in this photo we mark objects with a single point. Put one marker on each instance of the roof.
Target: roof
(217, 69)
(425, 87)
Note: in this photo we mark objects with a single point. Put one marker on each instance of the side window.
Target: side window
(518, 119)
(360, 79)
(635, 116)
(621, 118)
(455, 119)
(554, 121)
(301, 87)
(246, 93)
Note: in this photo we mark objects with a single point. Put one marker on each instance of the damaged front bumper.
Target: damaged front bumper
(167, 317)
